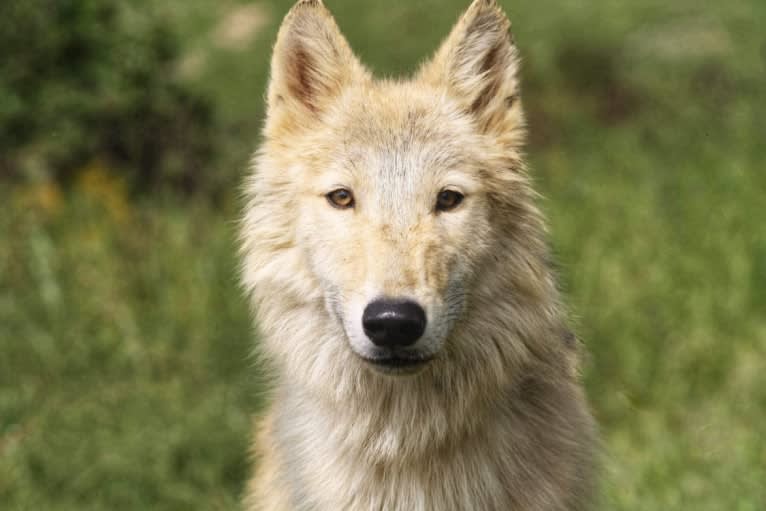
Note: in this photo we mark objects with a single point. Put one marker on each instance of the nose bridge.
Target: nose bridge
(393, 266)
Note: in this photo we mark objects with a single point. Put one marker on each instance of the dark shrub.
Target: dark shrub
(82, 80)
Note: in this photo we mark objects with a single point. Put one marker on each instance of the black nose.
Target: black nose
(394, 324)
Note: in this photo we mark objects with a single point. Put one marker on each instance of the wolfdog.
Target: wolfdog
(396, 262)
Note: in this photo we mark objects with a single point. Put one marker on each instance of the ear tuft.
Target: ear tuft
(478, 65)
(312, 61)
(308, 3)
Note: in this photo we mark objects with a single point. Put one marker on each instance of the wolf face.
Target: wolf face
(382, 199)
(411, 226)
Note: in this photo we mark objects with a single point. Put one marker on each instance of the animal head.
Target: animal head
(397, 211)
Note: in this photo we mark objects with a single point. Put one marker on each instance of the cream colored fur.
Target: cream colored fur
(498, 420)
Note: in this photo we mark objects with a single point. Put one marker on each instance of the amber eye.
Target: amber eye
(341, 198)
(448, 200)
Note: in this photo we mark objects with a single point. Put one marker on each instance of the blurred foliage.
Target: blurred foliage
(95, 79)
(125, 376)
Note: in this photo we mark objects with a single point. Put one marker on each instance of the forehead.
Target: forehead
(400, 131)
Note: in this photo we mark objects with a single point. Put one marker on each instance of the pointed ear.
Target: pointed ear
(478, 64)
(312, 62)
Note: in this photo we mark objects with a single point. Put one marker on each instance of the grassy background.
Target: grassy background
(125, 375)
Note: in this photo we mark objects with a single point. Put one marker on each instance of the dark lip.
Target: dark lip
(395, 363)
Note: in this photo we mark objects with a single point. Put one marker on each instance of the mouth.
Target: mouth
(397, 364)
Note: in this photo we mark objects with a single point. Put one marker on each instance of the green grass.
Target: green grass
(125, 375)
